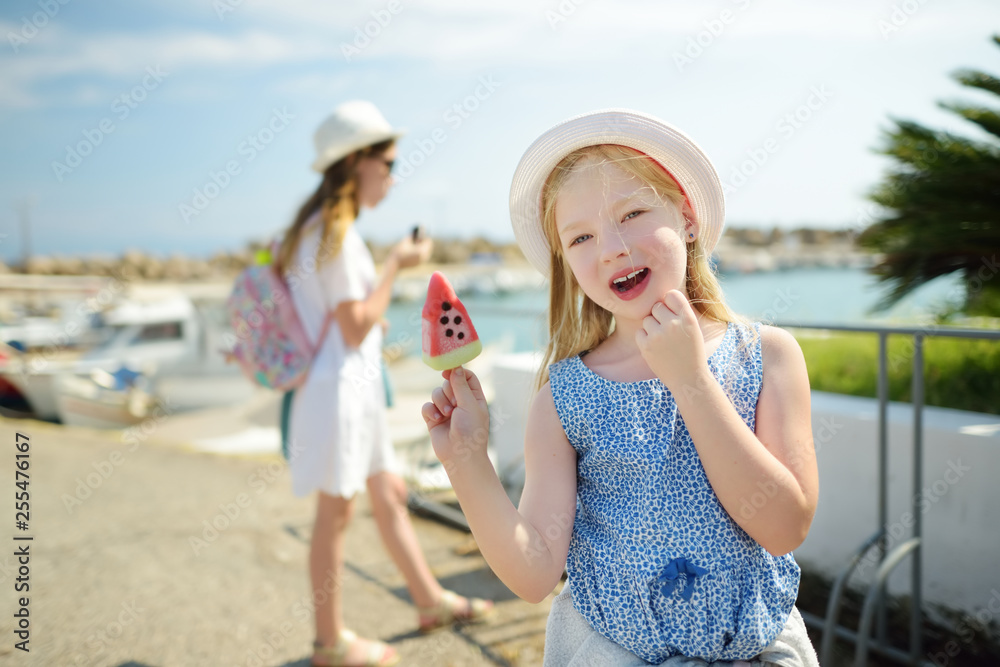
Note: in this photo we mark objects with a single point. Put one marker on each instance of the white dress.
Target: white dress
(338, 435)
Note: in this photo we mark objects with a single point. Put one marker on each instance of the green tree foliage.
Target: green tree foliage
(943, 203)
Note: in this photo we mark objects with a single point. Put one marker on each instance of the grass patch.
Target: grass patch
(959, 373)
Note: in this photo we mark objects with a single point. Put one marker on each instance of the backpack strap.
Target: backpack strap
(276, 255)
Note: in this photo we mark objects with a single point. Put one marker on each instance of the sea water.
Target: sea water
(518, 320)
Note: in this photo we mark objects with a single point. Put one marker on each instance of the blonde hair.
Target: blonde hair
(337, 200)
(576, 322)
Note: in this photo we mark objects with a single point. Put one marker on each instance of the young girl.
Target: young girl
(338, 436)
(668, 453)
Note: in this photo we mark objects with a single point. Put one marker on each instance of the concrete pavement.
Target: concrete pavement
(149, 553)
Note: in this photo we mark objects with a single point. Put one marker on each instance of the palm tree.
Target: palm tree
(943, 202)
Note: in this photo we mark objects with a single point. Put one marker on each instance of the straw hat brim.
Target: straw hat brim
(671, 148)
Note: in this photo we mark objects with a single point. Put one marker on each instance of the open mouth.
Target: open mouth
(630, 284)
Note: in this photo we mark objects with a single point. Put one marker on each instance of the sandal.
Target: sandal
(379, 654)
(451, 609)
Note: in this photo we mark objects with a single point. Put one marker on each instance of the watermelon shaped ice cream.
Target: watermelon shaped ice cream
(449, 339)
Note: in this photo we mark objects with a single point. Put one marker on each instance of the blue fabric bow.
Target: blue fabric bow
(671, 575)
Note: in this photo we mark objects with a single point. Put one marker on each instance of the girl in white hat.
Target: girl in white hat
(338, 438)
(669, 463)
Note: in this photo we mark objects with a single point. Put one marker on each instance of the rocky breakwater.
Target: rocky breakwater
(140, 265)
(745, 250)
(478, 259)
(136, 265)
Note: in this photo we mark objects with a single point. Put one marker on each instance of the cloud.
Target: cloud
(71, 68)
(66, 65)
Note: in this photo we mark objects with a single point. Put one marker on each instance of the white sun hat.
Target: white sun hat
(676, 152)
(352, 126)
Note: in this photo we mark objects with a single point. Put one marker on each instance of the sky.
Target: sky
(186, 126)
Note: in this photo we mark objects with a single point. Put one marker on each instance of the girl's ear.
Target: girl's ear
(691, 227)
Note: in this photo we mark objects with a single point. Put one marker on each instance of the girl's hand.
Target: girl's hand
(458, 419)
(411, 253)
(671, 342)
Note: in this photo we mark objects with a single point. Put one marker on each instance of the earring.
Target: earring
(691, 235)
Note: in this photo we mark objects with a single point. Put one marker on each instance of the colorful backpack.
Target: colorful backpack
(269, 342)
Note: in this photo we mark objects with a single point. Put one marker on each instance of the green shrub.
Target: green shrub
(959, 373)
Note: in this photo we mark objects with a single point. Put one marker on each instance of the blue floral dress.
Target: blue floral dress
(655, 563)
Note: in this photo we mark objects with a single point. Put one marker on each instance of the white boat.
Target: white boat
(174, 343)
(101, 400)
(34, 350)
(172, 339)
(27, 381)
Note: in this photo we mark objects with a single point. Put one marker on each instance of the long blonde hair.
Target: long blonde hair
(576, 322)
(338, 200)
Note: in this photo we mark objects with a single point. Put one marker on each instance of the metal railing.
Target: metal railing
(874, 602)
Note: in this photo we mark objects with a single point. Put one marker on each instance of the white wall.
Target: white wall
(959, 499)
